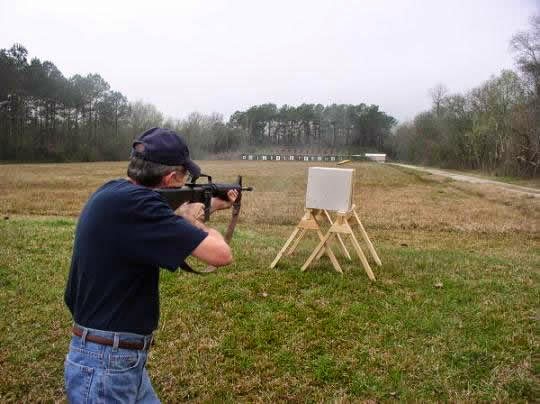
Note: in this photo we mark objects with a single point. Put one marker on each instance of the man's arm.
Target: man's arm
(219, 204)
(213, 249)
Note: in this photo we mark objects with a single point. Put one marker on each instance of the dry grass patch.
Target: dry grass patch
(52, 189)
(387, 197)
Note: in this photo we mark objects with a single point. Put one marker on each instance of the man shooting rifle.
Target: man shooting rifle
(125, 234)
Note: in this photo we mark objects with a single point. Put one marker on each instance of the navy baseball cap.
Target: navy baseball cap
(164, 146)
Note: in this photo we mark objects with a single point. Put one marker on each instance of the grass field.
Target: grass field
(251, 334)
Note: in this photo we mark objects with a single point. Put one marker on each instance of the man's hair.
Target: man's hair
(148, 173)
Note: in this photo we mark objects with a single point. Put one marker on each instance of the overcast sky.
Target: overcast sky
(223, 56)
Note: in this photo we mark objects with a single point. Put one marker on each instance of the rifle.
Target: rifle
(203, 193)
(193, 192)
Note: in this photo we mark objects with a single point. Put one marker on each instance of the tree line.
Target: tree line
(494, 127)
(314, 124)
(45, 116)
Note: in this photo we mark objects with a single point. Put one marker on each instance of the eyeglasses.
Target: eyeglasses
(182, 174)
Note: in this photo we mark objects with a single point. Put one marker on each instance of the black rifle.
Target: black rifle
(193, 192)
(203, 193)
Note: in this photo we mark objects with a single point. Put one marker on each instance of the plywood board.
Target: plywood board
(329, 188)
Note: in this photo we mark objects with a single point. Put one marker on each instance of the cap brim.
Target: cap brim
(193, 168)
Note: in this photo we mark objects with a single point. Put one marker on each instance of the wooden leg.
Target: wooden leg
(333, 258)
(280, 254)
(367, 240)
(327, 249)
(295, 244)
(316, 251)
(341, 243)
(362, 257)
(323, 246)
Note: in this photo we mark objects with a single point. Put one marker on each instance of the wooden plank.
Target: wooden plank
(362, 257)
(280, 253)
(309, 224)
(316, 251)
(295, 244)
(323, 250)
(333, 258)
(367, 240)
(342, 244)
(326, 250)
(340, 225)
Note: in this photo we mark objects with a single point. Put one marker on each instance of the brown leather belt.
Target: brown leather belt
(106, 341)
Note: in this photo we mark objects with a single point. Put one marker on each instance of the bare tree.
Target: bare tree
(527, 47)
(438, 93)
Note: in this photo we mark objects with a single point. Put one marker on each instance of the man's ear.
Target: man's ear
(168, 179)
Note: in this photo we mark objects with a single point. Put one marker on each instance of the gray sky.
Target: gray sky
(223, 56)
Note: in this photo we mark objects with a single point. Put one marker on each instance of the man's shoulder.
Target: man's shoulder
(117, 184)
(123, 194)
(120, 201)
(122, 188)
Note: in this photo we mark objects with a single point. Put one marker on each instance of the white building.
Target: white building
(378, 157)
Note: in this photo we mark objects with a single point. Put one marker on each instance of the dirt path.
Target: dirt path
(475, 180)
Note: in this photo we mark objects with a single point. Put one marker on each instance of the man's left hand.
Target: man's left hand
(192, 212)
(219, 204)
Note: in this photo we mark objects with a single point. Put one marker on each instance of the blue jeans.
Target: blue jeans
(95, 373)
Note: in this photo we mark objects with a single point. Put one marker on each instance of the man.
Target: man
(125, 234)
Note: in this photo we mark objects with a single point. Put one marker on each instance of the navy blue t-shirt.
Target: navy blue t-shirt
(125, 233)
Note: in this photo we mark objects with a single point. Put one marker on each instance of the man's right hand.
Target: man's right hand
(192, 212)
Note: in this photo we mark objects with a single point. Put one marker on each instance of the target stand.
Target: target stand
(342, 226)
(330, 190)
(311, 222)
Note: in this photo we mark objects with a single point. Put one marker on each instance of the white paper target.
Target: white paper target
(329, 188)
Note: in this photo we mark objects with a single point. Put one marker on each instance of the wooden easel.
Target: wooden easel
(319, 204)
(311, 221)
(342, 226)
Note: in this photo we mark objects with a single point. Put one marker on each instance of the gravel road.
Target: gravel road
(475, 180)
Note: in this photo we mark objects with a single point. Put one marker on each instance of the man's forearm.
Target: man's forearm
(218, 204)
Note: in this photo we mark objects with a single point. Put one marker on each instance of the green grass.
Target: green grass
(248, 333)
